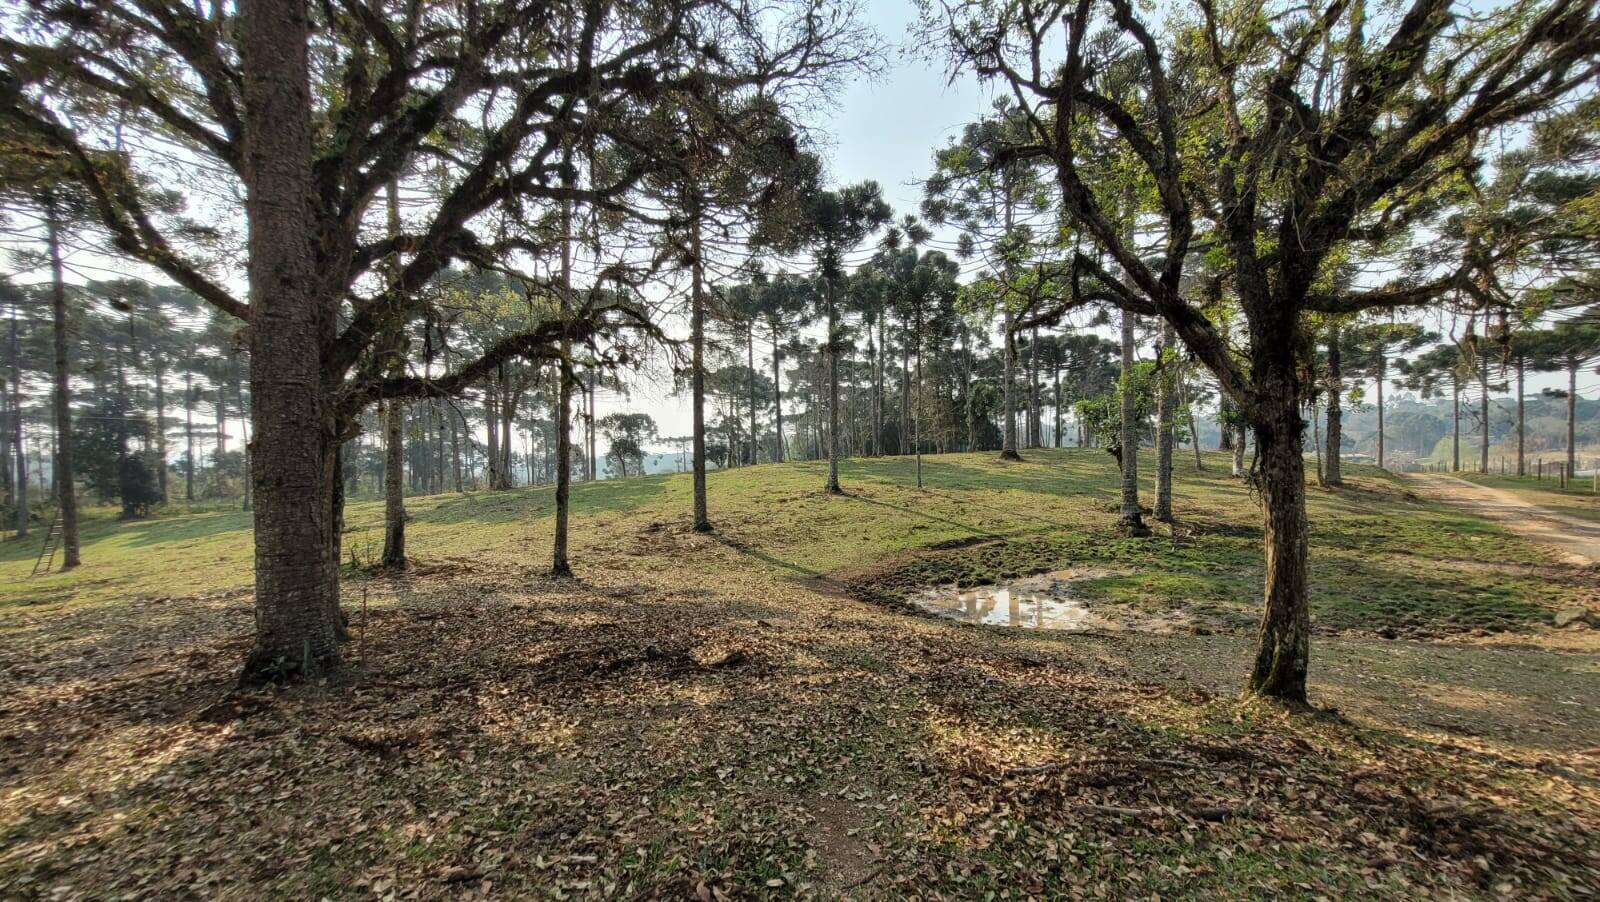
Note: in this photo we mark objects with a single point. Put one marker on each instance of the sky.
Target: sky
(885, 130)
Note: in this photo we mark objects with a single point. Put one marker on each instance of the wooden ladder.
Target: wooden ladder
(47, 554)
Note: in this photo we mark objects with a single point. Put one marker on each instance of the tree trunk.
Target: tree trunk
(222, 427)
(1522, 461)
(244, 416)
(1238, 450)
(1331, 469)
(1194, 430)
(491, 418)
(1383, 371)
(905, 391)
(1055, 406)
(65, 491)
(833, 386)
(188, 436)
(777, 397)
(1035, 425)
(394, 499)
(158, 363)
(1131, 519)
(1573, 365)
(1483, 413)
(298, 624)
(1284, 639)
(875, 352)
(20, 483)
(697, 339)
(750, 366)
(1008, 354)
(1166, 414)
(594, 458)
(1455, 424)
(916, 409)
(560, 567)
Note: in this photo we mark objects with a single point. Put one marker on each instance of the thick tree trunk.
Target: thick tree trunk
(66, 493)
(1131, 519)
(1166, 415)
(560, 567)
(697, 379)
(1238, 450)
(1332, 471)
(1008, 394)
(394, 498)
(1284, 639)
(298, 624)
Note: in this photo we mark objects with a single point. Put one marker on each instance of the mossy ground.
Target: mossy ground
(704, 715)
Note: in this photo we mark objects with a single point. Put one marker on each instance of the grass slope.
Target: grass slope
(725, 716)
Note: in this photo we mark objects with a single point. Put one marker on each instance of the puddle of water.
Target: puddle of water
(1036, 602)
(1046, 602)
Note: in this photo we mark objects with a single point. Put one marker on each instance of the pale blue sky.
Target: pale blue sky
(887, 129)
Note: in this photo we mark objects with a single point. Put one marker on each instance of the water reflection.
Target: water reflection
(1037, 602)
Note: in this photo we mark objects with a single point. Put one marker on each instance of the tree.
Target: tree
(735, 166)
(1368, 348)
(1569, 346)
(626, 436)
(238, 94)
(832, 223)
(1167, 381)
(1423, 374)
(1288, 159)
(778, 302)
(40, 179)
(979, 184)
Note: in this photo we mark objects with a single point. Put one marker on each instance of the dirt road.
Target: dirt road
(1578, 540)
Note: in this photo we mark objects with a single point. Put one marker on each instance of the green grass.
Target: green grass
(1381, 558)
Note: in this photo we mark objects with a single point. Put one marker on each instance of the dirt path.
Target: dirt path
(1578, 540)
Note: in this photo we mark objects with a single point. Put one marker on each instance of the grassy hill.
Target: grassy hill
(755, 713)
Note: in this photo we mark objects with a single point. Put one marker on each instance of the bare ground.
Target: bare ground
(733, 732)
(1577, 539)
